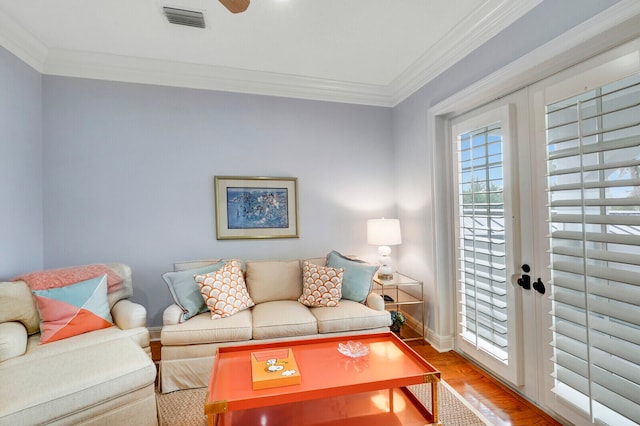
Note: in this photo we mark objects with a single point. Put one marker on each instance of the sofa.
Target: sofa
(281, 306)
(75, 353)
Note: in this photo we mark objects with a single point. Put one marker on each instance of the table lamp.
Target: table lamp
(384, 233)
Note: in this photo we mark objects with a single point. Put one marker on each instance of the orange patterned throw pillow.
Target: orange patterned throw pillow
(321, 285)
(224, 291)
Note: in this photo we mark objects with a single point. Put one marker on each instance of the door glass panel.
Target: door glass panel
(481, 245)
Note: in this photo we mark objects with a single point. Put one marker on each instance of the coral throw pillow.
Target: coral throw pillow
(224, 291)
(55, 278)
(73, 309)
(321, 285)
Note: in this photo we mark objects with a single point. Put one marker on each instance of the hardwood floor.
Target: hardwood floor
(496, 402)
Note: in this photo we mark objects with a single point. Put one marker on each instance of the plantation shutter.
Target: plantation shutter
(481, 241)
(593, 146)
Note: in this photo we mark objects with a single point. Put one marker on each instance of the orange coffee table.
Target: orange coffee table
(334, 389)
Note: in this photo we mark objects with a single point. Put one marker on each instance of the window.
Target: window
(482, 245)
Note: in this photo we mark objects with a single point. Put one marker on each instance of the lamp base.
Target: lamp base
(385, 277)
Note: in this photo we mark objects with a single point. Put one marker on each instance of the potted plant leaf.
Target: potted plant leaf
(397, 321)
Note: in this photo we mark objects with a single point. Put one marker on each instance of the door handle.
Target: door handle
(539, 286)
(525, 280)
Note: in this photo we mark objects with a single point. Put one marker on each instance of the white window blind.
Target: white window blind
(593, 145)
(481, 241)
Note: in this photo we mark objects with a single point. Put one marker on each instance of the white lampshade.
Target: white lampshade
(383, 232)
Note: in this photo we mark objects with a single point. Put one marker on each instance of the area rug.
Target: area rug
(185, 408)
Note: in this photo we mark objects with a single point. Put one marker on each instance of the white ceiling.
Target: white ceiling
(364, 51)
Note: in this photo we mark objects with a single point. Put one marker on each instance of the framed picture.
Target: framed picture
(256, 207)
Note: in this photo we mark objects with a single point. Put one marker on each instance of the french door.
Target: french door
(546, 187)
(588, 145)
(496, 322)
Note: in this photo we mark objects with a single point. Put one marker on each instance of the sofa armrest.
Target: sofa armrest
(172, 315)
(375, 301)
(128, 315)
(13, 340)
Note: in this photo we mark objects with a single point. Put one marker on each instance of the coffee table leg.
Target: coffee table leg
(434, 401)
(219, 419)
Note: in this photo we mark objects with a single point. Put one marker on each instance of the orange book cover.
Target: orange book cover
(274, 367)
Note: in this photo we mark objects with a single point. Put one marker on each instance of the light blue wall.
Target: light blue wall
(129, 174)
(21, 237)
(414, 173)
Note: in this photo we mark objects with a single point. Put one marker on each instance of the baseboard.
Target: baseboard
(439, 342)
(414, 324)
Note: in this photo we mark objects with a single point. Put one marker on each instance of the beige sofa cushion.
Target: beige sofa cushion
(202, 329)
(16, 304)
(282, 318)
(72, 381)
(349, 316)
(271, 280)
(194, 264)
(320, 261)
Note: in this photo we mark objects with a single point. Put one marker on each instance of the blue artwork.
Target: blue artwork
(255, 208)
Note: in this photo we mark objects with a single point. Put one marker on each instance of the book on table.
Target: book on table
(274, 367)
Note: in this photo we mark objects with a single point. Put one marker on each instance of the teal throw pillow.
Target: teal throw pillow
(358, 276)
(185, 291)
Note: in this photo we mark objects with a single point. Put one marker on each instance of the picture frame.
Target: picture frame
(253, 207)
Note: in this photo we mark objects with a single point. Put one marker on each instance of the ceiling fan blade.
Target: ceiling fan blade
(236, 6)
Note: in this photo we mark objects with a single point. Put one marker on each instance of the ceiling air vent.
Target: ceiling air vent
(190, 18)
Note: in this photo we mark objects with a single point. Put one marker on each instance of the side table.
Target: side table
(402, 292)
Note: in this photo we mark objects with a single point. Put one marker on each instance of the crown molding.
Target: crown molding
(178, 74)
(476, 29)
(473, 31)
(491, 18)
(21, 43)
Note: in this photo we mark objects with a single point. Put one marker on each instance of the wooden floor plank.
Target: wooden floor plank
(499, 404)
